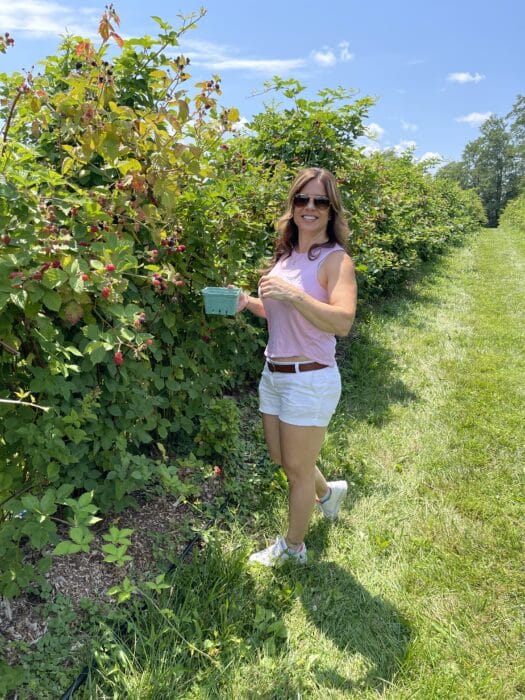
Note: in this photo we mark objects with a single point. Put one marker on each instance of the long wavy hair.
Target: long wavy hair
(337, 227)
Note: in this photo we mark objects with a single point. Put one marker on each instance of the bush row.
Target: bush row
(513, 216)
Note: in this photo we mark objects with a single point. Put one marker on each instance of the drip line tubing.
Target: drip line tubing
(82, 676)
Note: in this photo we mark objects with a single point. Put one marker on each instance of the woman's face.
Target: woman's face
(311, 219)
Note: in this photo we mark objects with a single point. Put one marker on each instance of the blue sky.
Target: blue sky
(437, 68)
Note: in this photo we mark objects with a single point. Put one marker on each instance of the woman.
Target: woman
(308, 296)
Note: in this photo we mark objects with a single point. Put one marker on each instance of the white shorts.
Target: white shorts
(300, 398)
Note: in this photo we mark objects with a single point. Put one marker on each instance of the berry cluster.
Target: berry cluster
(6, 40)
(172, 245)
(140, 320)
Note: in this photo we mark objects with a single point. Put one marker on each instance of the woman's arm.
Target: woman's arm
(335, 316)
(253, 304)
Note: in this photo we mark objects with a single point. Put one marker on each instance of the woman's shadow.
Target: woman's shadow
(359, 624)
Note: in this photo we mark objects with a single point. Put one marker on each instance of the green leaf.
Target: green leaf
(47, 504)
(30, 502)
(80, 535)
(52, 300)
(86, 498)
(54, 277)
(131, 164)
(66, 547)
(162, 24)
(19, 297)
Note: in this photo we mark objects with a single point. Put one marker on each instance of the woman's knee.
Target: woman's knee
(298, 473)
(275, 454)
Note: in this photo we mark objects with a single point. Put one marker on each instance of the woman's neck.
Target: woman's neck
(304, 243)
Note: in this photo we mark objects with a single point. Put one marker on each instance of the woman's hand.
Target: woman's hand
(277, 288)
(245, 301)
(242, 301)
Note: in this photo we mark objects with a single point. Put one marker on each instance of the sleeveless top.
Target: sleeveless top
(289, 332)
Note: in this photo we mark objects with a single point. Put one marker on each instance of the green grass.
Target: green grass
(417, 591)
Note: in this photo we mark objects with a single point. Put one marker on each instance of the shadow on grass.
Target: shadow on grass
(370, 371)
(361, 625)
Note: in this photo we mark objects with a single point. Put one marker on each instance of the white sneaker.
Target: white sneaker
(277, 553)
(331, 507)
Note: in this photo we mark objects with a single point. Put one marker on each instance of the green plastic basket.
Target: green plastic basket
(221, 301)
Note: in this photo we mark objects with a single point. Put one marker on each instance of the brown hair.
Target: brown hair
(337, 228)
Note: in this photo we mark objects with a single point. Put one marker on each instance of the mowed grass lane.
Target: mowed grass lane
(418, 590)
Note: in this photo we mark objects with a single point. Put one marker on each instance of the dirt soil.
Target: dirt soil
(158, 523)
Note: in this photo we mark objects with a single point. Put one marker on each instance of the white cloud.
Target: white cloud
(475, 118)
(367, 147)
(430, 155)
(465, 77)
(404, 146)
(329, 57)
(374, 131)
(262, 65)
(222, 58)
(325, 57)
(408, 126)
(41, 18)
(344, 53)
(219, 58)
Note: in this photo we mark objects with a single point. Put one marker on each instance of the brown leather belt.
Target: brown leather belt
(301, 367)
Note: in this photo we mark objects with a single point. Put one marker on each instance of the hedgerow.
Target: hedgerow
(513, 216)
(124, 192)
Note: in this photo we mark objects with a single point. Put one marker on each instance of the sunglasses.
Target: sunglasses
(301, 200)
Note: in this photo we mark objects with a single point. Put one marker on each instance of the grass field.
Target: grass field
(418, 590)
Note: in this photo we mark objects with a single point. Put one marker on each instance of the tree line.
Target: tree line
(494, 163)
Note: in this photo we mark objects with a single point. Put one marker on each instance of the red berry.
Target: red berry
(156, 282)
(179, 283)
(105, 292)
(118, 358)
(110, 267)
(85, 277)
(180, 248)
(149, 342)
(38, 275)
(217, 470)
(55, 263)
(6, 239)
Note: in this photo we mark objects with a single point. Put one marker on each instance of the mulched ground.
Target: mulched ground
(159, 525)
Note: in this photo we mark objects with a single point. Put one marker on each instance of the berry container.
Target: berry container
(221, 301)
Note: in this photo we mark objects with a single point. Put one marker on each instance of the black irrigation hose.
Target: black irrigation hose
(82, 676)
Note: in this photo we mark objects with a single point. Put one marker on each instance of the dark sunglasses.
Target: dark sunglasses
(301, 200)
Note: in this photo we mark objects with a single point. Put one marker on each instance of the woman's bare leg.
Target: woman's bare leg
(272, 435)
(300, 447)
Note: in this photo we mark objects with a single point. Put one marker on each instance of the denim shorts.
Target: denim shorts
(300, 398)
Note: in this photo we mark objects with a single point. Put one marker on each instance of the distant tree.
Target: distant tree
(455, 171)
(492, 169)
(517, 133)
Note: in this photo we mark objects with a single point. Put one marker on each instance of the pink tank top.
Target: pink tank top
(289, 333)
